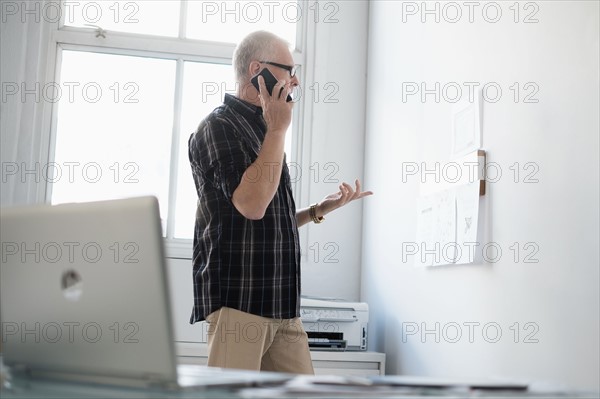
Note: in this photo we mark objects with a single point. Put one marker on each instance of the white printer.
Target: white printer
(335, 325)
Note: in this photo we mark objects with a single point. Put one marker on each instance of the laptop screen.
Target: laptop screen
(84, 291)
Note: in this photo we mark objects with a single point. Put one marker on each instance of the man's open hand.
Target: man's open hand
(346, 195)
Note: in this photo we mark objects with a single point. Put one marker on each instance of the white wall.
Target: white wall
(182, 301)
(334, 146)
(23, 51)
(559, 213)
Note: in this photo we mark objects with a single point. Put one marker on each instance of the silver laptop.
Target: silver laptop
(84, 297)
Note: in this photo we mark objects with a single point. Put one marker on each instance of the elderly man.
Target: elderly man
(246, 259)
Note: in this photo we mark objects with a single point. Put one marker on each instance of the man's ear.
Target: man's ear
(254, 68)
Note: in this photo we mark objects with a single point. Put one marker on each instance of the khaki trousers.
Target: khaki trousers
(242, 340)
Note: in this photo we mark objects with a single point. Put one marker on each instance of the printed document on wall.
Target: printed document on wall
(436, 229)
(447, 224)
(466, 126)
(467, 214)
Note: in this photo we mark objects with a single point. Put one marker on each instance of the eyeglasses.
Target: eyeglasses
(291, 69)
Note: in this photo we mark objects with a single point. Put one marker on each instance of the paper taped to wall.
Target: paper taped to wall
(447, 223)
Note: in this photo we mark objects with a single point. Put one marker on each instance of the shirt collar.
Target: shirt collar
(243, 107)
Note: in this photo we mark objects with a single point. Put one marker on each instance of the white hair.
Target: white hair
(257, 46)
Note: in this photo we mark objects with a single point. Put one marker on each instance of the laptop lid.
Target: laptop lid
(84, 292)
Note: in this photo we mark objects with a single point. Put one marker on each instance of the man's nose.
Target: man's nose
(295, 81)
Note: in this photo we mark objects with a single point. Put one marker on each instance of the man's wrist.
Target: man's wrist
(314, 214)
(276, 132)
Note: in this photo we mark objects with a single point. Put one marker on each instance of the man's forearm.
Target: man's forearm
(302, 217)
(261, 180)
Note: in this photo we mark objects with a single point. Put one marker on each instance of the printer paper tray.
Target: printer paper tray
(328, 345)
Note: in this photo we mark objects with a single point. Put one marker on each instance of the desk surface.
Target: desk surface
(284, 385)
(29, 388)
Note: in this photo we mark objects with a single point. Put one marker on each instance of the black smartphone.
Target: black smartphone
(270, 82)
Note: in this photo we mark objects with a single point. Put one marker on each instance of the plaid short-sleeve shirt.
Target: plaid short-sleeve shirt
(249, 265)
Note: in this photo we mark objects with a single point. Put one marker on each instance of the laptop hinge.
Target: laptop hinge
(155, 380)
(18, 369)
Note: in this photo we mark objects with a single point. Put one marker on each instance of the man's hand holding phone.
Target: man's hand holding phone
(277, 111)
(270, 81)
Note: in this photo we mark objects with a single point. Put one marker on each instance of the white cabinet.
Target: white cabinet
(348, 363)
(324, 362)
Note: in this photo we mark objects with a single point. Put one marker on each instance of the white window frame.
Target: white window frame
(179, 49)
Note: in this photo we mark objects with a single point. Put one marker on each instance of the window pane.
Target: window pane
(114, 128)
(203, 90)
(152, 17)
(204, 87)
(230, 21)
